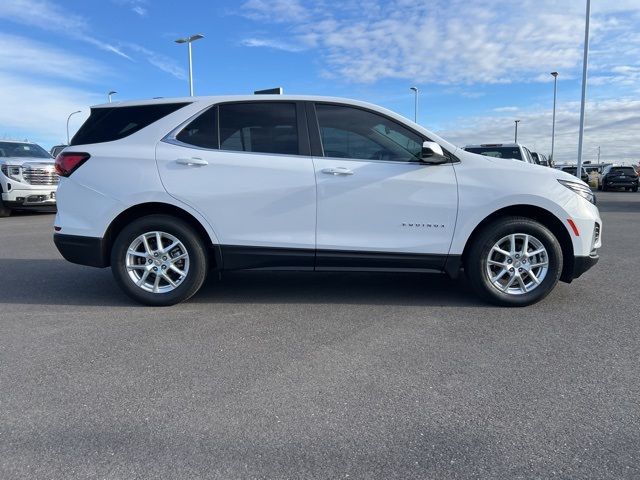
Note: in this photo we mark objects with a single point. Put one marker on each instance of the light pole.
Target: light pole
(553, 122)
(415, 108)
(189, 41)
(584, 88)
(69, 118)
(516, 122)
(112, 92)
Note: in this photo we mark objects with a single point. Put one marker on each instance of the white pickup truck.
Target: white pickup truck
(28, 179)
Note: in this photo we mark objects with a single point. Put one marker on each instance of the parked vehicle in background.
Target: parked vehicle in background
(163, 190)
(56, 149)
(514, 151)
(572, 171)
(615, 176)
(27, 177)
(540, 159)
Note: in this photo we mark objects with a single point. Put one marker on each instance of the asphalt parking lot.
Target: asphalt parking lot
(284, 375)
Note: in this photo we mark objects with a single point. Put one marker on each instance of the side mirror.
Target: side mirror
(432, 153)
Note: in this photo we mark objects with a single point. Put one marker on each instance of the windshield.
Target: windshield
(24, 150)
(498, 152)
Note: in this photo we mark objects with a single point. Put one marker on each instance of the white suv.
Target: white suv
(27, 177)
(167, 189)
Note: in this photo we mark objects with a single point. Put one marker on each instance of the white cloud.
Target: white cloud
(275, 10)
(611, 124)
(140, 10)
(39, 111)
(49, 16)
(138, 7)
(506, 109)
(274, 44)
(451, 41)
(164, 63)
(23, 56)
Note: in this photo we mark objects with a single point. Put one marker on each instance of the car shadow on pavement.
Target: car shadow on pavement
(57, 282)
(355, 288)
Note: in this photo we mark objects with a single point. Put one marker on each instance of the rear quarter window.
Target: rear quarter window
(113, 123)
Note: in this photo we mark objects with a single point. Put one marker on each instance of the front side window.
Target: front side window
(349, 132)
(264, 127)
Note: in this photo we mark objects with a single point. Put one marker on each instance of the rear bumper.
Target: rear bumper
(615, 183)
(90, 251)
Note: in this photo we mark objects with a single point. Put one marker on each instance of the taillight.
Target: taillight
(68, 162)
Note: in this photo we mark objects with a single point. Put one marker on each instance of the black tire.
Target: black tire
(4, 211)
(476, 260)
(604, 189)
(634, 189)
(198, 260)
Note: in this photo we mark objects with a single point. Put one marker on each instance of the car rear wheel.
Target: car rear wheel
(159, 260)
(514, 261)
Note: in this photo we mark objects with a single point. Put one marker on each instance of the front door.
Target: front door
(378, 206)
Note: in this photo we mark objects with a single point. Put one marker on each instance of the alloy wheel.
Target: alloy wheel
(517, 264)
(157, 262)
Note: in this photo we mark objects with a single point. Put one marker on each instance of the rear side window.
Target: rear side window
(203, 131)
(266, 127)
(113, 123)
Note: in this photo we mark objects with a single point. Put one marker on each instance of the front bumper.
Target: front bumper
(90, 251)
(31, 198)
(582, 264)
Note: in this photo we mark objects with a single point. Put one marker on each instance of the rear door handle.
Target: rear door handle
(337, 171)
(192, 162)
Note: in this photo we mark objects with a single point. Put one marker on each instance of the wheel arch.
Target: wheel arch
(151, 208)
(546, 218)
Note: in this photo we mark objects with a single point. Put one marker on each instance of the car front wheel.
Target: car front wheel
(514, 261)
(159, 260)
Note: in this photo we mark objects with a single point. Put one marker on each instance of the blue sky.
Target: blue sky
(479, 65)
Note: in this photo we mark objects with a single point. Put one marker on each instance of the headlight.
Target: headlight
(12, 171)
(579, 188)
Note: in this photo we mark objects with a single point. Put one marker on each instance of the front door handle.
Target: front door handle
(192, 162)
(337, 171)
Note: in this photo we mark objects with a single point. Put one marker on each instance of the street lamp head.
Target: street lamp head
(554, 74)
(112, 92)
(190, 39)
(516, 121)
(415, 89)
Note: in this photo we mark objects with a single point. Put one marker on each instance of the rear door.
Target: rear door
(246, 167)
(378, 206)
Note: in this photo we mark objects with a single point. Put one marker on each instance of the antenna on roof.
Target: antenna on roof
(270, 91)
